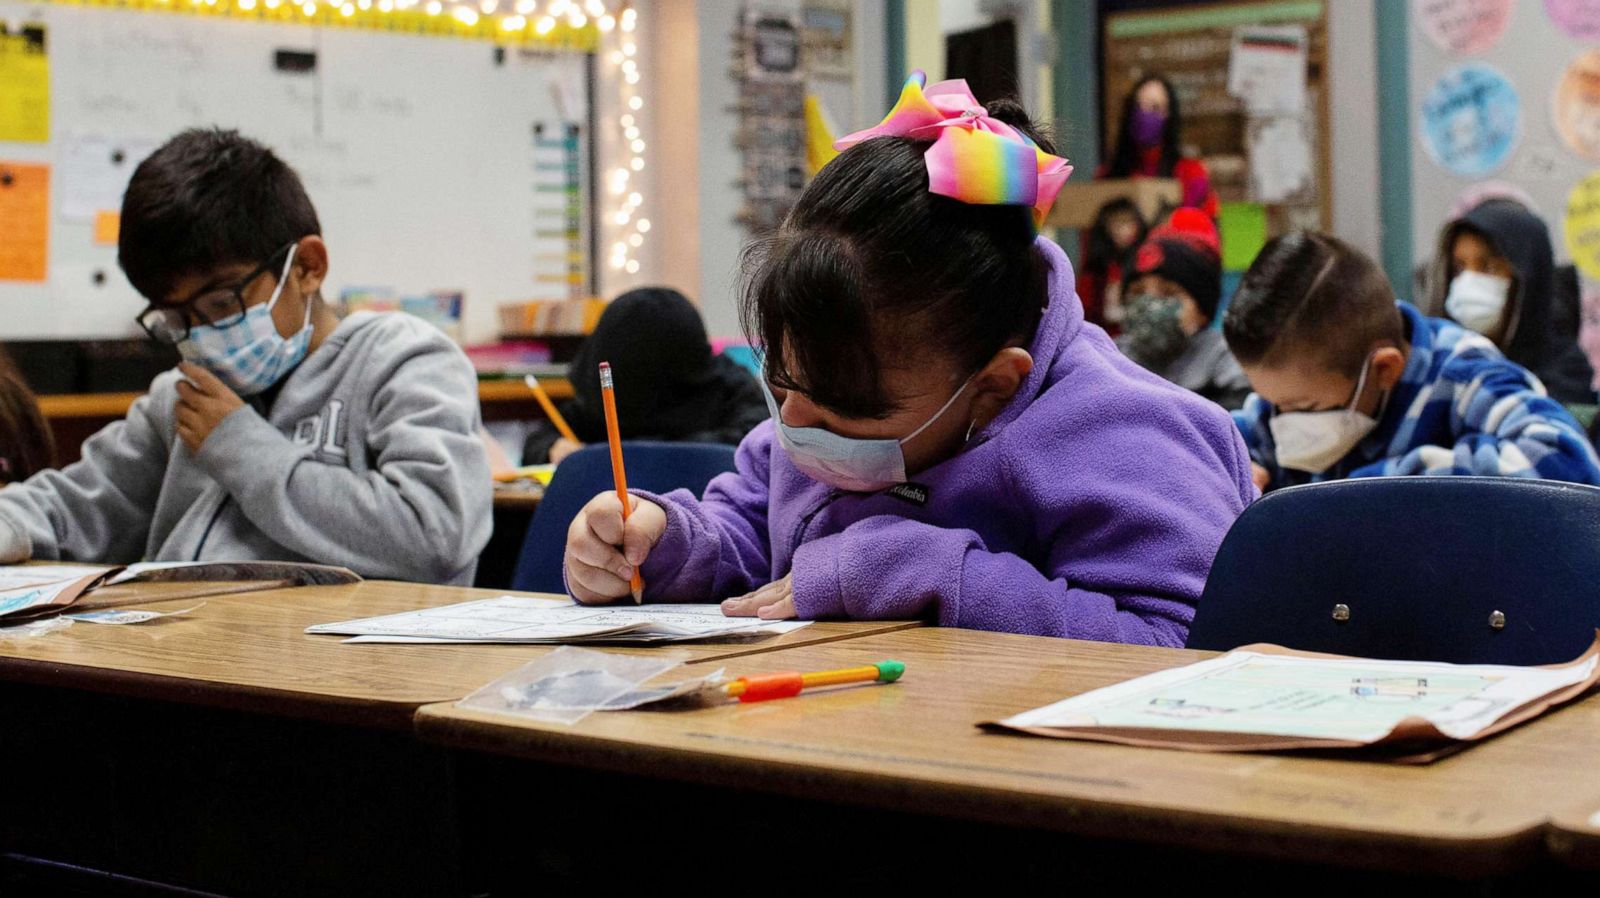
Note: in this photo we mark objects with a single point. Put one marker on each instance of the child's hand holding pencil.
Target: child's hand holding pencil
(604, 551)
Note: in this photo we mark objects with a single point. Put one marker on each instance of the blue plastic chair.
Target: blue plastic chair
(657, 467)
(1470, 570)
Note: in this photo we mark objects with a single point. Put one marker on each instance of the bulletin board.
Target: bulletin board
(1534, 133)
(1193, 45)
(434, 163)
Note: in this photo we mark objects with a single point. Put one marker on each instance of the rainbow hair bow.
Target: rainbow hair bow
(974, 158)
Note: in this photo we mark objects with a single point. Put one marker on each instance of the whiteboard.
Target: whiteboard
(418, 152)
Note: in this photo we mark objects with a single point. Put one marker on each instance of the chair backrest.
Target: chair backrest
(1469, 570)
(653, 466)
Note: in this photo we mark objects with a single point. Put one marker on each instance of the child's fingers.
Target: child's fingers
(590, 550)
(780, 610)
(591, 585)
(643, 530)
(604, 515)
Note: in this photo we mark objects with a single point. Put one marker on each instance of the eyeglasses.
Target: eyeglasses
(171, 323)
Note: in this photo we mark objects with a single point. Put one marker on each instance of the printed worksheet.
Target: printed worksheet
(529, 619)
(1348, 700)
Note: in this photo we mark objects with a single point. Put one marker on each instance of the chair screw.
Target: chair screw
(1341, 612)
(1497, 620)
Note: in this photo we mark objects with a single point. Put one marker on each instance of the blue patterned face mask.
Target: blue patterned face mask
(246, 352)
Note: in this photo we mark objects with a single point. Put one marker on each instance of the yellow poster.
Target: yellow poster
(1583, 225)
(24, 221)
(24, 85)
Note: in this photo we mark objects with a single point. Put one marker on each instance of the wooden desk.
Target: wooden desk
(116, 405)
(249, 651)
(913, 749)
(75, 417)
(1574, 834)
(228, 751)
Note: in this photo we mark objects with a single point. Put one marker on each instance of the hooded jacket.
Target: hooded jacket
(1535, 338)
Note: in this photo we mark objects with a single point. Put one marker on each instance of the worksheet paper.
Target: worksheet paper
(1265, 699)
(528, 619)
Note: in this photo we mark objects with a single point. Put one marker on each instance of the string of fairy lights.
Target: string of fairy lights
(628, 226)
(605, 27)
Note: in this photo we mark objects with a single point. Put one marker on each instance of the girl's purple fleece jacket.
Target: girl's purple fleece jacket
(1091, 507)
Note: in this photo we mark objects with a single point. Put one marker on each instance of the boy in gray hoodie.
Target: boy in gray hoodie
(286, 434)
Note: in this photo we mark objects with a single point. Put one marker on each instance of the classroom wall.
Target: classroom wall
(721, 237)
(1533, 54)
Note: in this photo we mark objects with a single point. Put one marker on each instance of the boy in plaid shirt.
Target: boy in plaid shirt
(1349, 383)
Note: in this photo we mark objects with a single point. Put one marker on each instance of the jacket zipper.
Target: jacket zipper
(800, 530)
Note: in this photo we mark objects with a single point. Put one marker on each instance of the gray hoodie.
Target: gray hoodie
(368, 458)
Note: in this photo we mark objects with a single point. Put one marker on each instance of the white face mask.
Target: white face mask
(1313, 441)
(849, 463)
(1477, 301)
(246, 352)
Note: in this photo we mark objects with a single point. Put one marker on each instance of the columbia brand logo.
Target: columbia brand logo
(915, 493)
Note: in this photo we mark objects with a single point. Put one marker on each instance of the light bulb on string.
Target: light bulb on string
(434, 7)
(627, 120)
(347, 10)
(526, 7)
(630, 48)
(643, 225)
(636, 240)
(546, 25)
(606, 23)
(466, 15)
(309, 8)
(630, 18)
(637, 164)
(513, 23)
(635, 103)
(489, 6)
(633, 266)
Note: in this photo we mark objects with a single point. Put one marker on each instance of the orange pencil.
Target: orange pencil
(550, 408)
(614, 437)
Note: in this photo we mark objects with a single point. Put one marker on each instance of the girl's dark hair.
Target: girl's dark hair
(870, 270)
(1099, 249)
(1125, 158)
(26, 444)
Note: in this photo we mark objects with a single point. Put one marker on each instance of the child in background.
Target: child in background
(26, 444)
(1173, 289)
(1494, 275)
(1348, 383)
(950, 439)
(1107, 255)
(287, 434)
(669, 385)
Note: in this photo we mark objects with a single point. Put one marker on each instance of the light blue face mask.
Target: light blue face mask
(849, 463)
(246, 352)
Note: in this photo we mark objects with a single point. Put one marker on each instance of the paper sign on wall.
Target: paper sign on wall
(24, 221)
(1280, 160)
(1580, 19)
(1471, 119)
(1463, 26)
(24, 85)
(1577, 106)
(94, 172)
(1267, 69)
(1582, 225)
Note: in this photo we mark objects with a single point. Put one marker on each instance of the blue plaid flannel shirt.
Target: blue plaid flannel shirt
(1461, 408)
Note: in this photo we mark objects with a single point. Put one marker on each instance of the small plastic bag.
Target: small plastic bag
(569, 684)
(34, 628)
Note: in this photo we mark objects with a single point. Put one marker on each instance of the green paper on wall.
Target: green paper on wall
(1243, 230)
